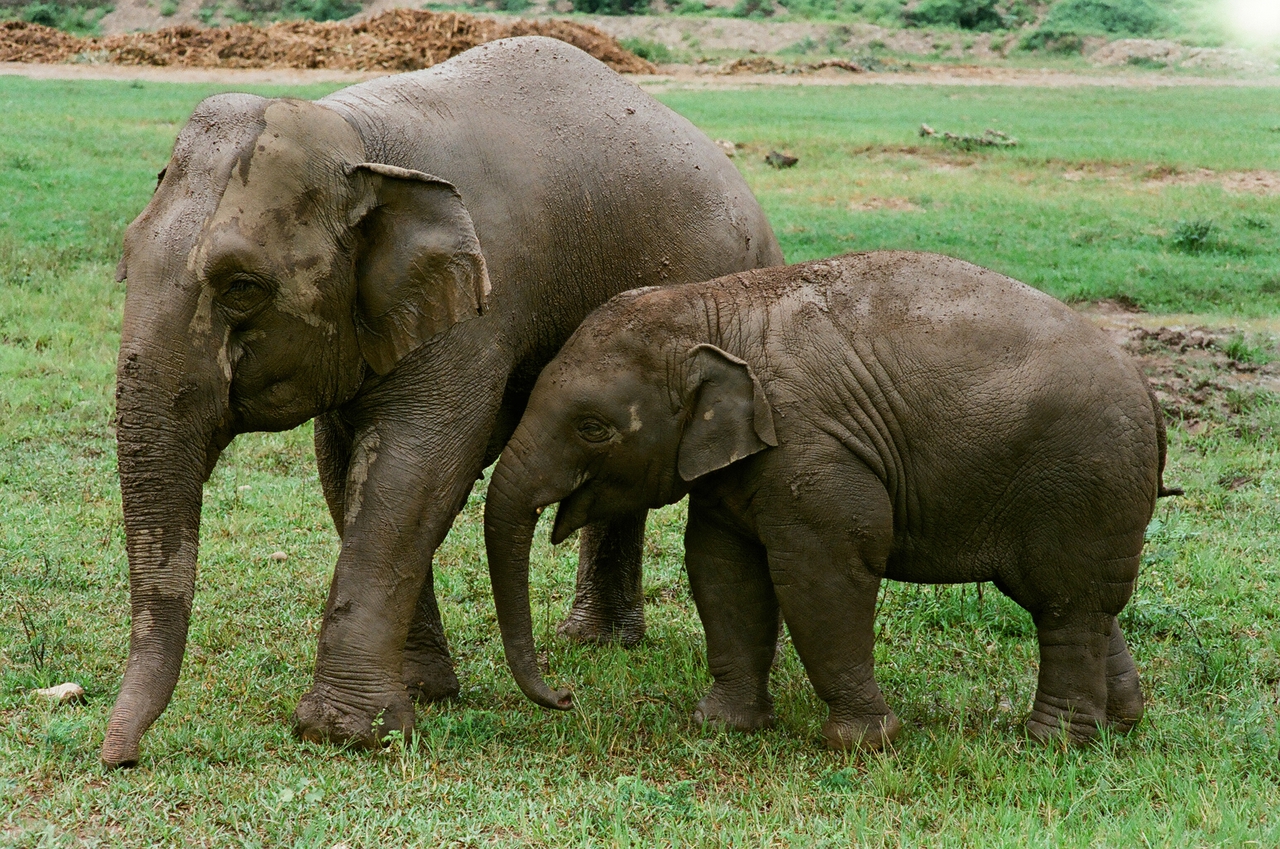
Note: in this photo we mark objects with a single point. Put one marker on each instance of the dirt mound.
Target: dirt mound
(398, 40)
(765, 65)
(24, 42)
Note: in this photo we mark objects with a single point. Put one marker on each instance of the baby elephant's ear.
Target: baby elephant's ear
(730, 417)
(419, 269)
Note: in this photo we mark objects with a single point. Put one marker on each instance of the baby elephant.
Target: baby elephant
(880, 415)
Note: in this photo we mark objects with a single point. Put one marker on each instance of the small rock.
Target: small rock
(780, 160)
(729, 148)
(243, 488)
(278, 556)
(68, 693)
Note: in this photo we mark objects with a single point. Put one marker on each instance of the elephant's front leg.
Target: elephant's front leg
(413, 462)
(729, 576)
(427, 671)
(608, 601)
(829, 534)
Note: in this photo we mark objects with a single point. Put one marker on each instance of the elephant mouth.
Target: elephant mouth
(574, 512)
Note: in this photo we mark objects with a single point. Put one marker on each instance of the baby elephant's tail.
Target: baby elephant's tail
(1162, 443)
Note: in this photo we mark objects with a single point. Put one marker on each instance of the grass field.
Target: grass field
(1102, 197)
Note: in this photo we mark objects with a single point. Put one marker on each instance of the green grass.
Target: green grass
(627, 767)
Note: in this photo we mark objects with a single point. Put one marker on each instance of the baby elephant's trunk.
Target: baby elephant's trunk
(509, 521)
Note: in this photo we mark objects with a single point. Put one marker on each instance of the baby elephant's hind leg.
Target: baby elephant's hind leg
(1124, 693)
(1072, 696)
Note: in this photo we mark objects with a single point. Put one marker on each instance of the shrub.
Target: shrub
(319, 10)
(752, 9)
(980, 15)
(1106, 17)
(1070, 20)
(653, 51)
(81, 20)
(611, 7)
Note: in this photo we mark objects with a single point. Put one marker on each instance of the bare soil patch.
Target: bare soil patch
(1200, 374)
(398, 40)
(1258, 182)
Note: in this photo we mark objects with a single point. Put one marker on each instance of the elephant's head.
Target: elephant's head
(628, 415)
(272, 272)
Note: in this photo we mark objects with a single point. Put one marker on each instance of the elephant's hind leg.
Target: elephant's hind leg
(427, 670)
(1071, 698)
(1124, 693)
(608, 602)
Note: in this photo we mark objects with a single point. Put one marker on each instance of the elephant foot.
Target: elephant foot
(321, 718)
(1050, 727)
(716, 711)
(862, 733)
(584, 625)
(429, 681)
(1124, 703)
(1124, 690)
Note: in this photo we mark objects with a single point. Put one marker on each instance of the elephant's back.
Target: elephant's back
(996, 415)
(576, 179)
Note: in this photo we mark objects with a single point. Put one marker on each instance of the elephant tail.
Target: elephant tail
(1162, 443)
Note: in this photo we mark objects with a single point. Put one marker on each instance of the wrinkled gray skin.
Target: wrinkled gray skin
(397, 260)
(884, 415)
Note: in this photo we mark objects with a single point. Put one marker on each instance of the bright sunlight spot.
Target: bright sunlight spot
(1255, 20)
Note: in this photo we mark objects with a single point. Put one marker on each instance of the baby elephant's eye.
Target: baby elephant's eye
(594, 430)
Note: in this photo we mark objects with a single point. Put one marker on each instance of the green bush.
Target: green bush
(82, 20)
(1069, 21)
(980, 15)
(1106, 17)
(611, 7)
(319, 10)
(653, 51)
(884, 12)
(752, 9)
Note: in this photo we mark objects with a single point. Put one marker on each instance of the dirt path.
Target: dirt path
(671, 77)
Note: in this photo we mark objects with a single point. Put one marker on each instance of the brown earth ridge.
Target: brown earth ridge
(398, 40)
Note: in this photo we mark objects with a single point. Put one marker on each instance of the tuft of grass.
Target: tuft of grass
(1257, 351)
(1193, 236)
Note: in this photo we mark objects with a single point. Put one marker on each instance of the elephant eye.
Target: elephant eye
(594, 430)
(242, 295)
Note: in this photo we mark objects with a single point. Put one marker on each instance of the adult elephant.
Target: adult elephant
(398, 261)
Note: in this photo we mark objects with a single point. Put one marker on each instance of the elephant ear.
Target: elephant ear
(419, 269)
(730, 416)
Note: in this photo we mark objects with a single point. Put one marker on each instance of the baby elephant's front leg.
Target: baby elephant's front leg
(729, 576)
(827, 543)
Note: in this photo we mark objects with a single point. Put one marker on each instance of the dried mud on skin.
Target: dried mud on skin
(398, 40)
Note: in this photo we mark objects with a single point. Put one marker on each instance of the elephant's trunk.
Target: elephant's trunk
(509, 520)
(167, 443)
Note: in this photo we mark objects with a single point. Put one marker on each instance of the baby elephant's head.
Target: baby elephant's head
(630, 413)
